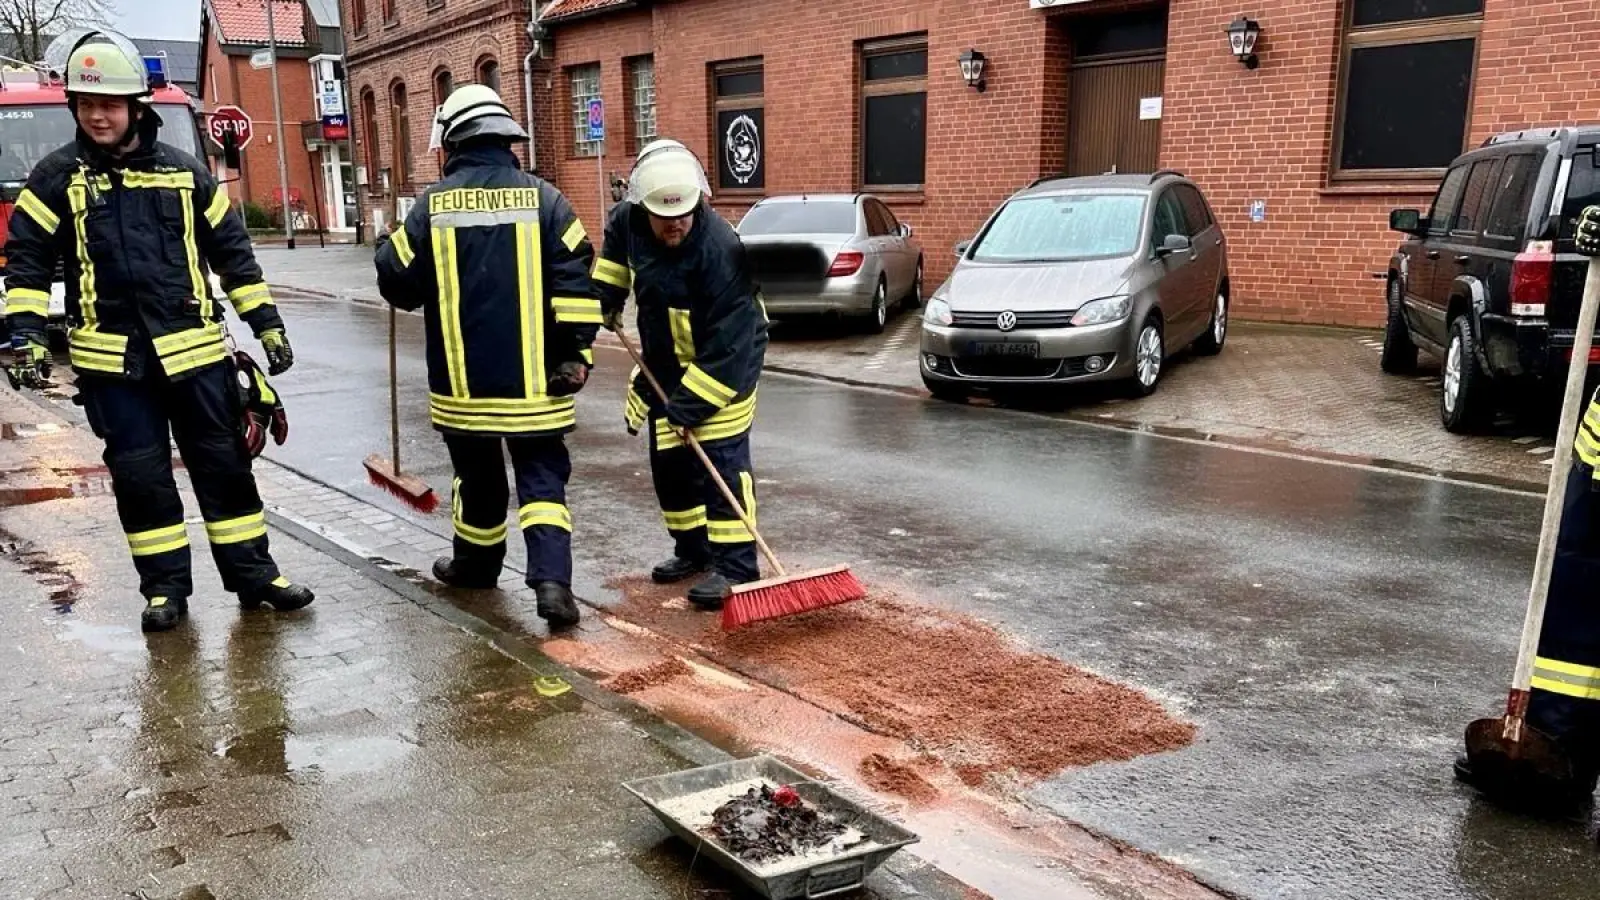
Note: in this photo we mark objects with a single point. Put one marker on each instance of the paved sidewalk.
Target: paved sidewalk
(383, 744)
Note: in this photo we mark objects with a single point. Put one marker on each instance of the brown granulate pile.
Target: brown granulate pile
(946, 684)
(894, 777)
(636, 680)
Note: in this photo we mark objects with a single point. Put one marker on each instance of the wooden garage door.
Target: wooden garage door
(1104, 130)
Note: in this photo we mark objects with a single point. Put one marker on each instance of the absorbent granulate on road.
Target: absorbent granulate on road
(944, 683)
(635, 680)
(893, 776)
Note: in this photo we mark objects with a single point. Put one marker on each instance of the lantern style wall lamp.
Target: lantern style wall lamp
(973, 63)
(1242, 36)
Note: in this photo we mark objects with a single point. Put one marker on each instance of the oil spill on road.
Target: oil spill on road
(50, 573)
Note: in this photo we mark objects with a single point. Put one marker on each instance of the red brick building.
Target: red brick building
(1354, 107)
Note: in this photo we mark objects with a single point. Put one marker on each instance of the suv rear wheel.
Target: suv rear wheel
(1464, 397)
(1399, 353)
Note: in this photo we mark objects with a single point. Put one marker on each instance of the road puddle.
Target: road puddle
(344, 756)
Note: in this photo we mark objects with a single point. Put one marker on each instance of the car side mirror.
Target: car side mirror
(961, 247)
(905, 229)
(1174, 243)
(1408, 221)
(231, 155)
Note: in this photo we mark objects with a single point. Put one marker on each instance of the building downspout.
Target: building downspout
(527, 84)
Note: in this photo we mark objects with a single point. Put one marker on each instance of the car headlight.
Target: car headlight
(1106, 309)
(938, 313)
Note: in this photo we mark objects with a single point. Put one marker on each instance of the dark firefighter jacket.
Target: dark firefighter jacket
(500, 264)
(135, 238)
(701, 323)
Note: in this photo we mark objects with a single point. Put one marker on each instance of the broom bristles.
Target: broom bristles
(413, 492)
(776, 598)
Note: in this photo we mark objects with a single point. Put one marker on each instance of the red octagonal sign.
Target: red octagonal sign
(234, 119)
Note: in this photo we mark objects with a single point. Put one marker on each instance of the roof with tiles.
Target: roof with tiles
(571, 9)
(245, 21)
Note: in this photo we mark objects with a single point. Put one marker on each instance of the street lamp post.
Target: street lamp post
(277, 114)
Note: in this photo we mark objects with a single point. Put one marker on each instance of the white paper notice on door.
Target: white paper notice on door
(1150, 108)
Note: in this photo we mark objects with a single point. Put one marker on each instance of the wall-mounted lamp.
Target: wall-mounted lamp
(972, 65)
(1242, 36)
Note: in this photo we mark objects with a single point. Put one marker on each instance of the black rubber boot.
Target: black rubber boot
(163, 613)
(280, 595)
(454, 574)
(556, 604)
(677, 569)
(711, 592)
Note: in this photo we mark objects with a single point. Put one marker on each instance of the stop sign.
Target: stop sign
(231, 119)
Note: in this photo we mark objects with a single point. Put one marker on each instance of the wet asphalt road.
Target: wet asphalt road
(1331, 629)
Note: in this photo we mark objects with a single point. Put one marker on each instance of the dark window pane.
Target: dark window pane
(877, 220)
(1386, 12)
(1583, 190)
(801, 217)
(1514, 191)
(741, 144)
(1194, 210)
(1169, 218)
(1475, 199)
(905, 64)
(1406, 105)
(889, 220)
(1123, 33)
(1446, 200)
(896, 133)
(739, 84)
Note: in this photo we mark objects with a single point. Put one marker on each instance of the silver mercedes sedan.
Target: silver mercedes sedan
(839, 254)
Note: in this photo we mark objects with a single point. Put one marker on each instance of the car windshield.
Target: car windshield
(30, 133)
(1063, 227)
(801, 217)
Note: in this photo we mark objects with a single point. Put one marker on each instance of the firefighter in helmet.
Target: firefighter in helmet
(499, 263)
(136, 225)
(704, 336)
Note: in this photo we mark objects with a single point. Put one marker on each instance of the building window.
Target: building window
(390, 14)
(489, 74)
(401, 123)
(894, 114)
(369, 137)
(443, 84)
(642, 100)
(358, 16)
(1405, 87)
(584, 82)
(739, 111)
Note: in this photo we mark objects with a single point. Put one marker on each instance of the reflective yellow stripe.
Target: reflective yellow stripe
(177, 181)
(730, 422)
(27, 300)
(483, 537)
(218, 210)
(202, 290)
(188, 339)
(685, 520)
(402, 248)
(94, 351)
(249, 298)
(748, 484)
(530, 294)
(99, 340)
(727, 531)
(555, 515)
(611, 273)
(449, 281)
(504, 415)
(158, 540)
(574, 235)
(707, 388)
(636, 411)
(194, 359)
(236, 531)
(77, 198)
(30, 203)
(682, 335)
(577, 310)
(586, 355)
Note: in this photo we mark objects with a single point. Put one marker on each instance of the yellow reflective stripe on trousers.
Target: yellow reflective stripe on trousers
(402, 248)
(682, 335)
(577, 310)
(574, 235)
(530, 297)
(236, 531)
(685, 520)
(218, 210)
(1569, 679)
(449, 281)
(614, 274)
(249, 298)
(734, 531)
(36, 209)
(707, 388)
(483, 537)
(27, 300)
(556, 515)
(191, 248)
(158, 540)
(78, 199)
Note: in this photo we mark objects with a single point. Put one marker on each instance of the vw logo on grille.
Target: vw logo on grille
(1006, 320)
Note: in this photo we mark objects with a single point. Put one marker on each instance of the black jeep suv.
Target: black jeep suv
(1489, 280)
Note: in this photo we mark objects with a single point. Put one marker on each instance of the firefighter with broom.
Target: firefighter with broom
(134, 223)
(500, 265)
(1558, 763)
(704, 336)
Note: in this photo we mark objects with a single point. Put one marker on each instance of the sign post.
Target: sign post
(597, 132)
(277, 113)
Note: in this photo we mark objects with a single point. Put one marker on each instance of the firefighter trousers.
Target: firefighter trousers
(1566, 676)
(702, 523)
(138, 420)
(479, 502)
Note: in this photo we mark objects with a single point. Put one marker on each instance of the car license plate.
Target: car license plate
(1005, 348)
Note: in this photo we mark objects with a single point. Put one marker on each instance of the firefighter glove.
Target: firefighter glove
(1588, 236)
(280, 356)
(263, 409)
(30, 367)
(569, 379)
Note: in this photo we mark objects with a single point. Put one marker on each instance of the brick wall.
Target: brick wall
(230, 81)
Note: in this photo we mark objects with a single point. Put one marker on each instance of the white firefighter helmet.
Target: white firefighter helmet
(475, 110)
(98, 61)
(667, 179)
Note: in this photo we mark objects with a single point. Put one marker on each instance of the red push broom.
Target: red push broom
(770, 598)
(385, 473)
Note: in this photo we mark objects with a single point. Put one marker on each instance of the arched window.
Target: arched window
(369, 135)
(400, 123)
(489, 73)
(443, 84)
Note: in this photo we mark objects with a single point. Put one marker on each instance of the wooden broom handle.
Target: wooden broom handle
(689, 438)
